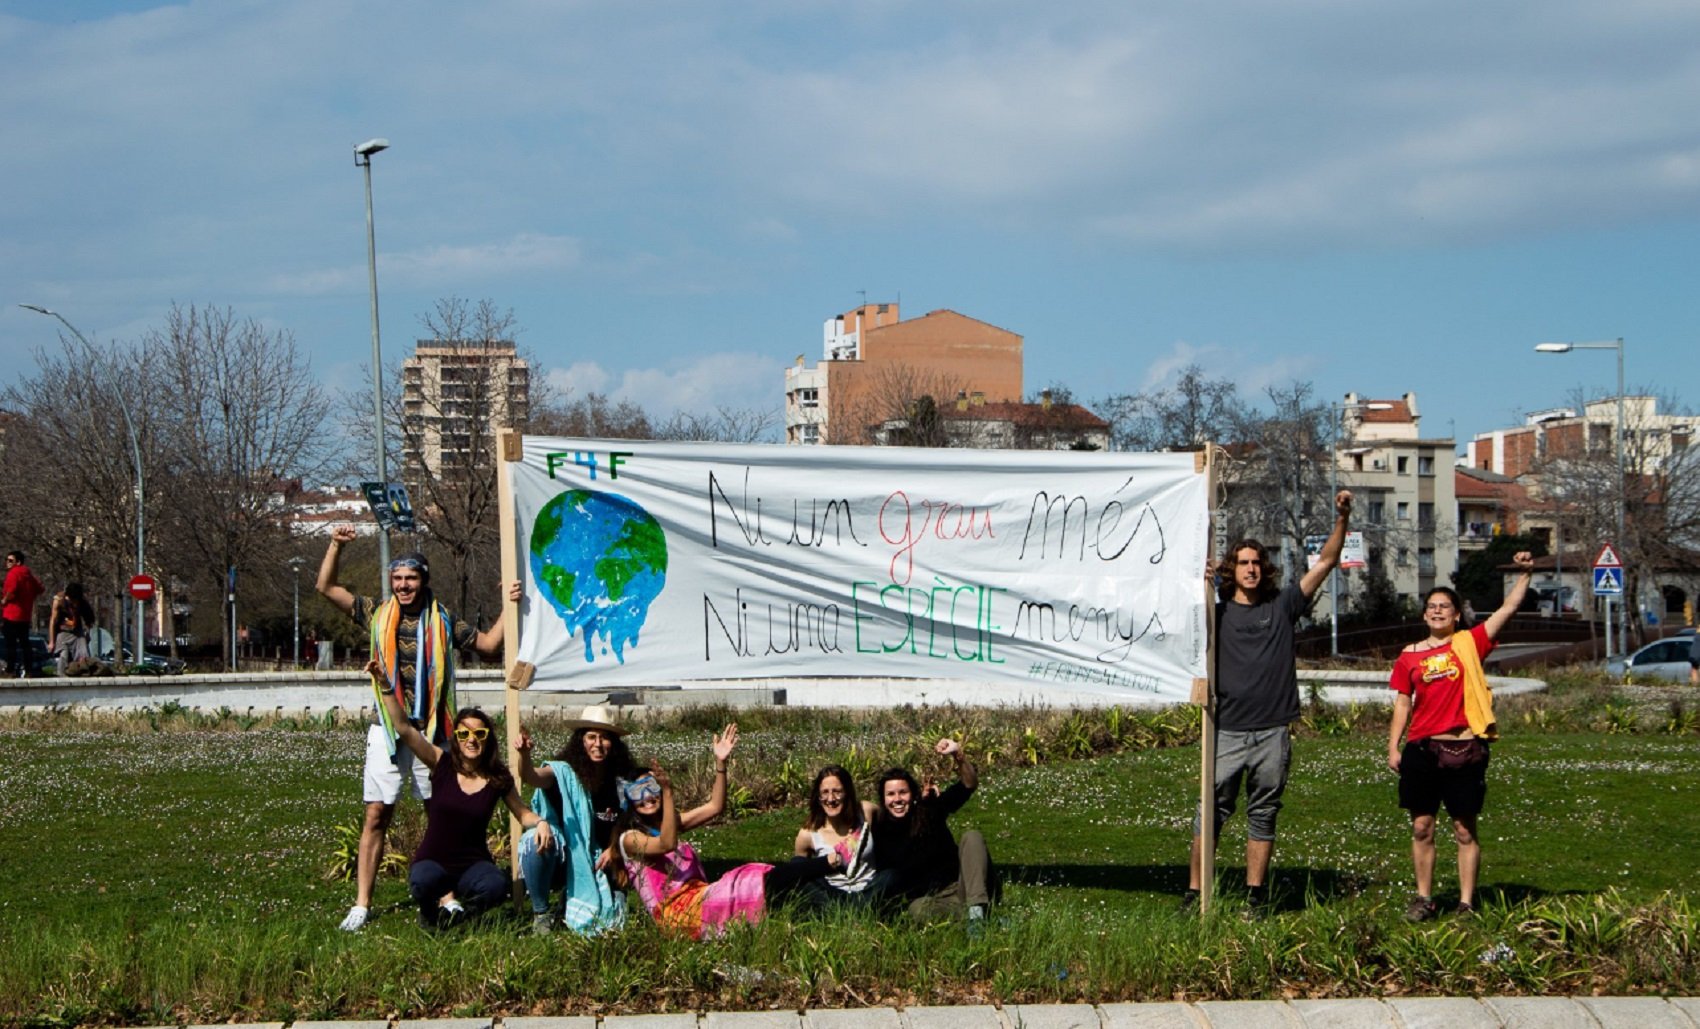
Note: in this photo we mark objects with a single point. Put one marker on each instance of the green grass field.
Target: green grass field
(174, 868)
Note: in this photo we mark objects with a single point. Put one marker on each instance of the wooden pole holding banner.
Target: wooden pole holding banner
(510, 448)
(1204, 695)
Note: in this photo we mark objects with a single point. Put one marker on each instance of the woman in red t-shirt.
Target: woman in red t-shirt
(1444, 711)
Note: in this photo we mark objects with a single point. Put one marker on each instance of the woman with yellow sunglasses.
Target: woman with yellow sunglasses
(453, 876)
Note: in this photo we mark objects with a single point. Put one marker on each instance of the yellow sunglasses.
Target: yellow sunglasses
(463, 734)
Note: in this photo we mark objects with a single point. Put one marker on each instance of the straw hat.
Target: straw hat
(596, 716)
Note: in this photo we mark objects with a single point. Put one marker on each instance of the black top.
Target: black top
(926, 861)
(456, 822)
(1257, 686)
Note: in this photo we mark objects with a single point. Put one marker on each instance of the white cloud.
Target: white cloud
(442, 268)
(700, 386)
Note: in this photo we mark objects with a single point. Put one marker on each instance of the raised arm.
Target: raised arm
(1514, 598)
(332, 590)
(413, 738)
(529, 773)
(636, 842)
(965, 771)
(716, 804)
(1330, 556)
(489, 642)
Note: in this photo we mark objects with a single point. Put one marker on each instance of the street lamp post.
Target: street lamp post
(1338, 414)
(1622, 496)
(295, 566)
(136, 459)
(363, 158)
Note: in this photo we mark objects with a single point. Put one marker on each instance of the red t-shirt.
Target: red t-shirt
(1434, 681)
(22, 587)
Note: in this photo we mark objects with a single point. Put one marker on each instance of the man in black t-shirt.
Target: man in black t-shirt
(1257, 693)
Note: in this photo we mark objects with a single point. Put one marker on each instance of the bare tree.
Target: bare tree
(1278, 476)
(1192, 411)
(593, 416)
(894, 403)
(1577, 480)
(726, 425)
(66, 458)
(466, 383)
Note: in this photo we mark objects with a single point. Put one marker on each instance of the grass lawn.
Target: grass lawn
(173, 868)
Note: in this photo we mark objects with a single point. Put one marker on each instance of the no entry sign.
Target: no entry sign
(142, 587)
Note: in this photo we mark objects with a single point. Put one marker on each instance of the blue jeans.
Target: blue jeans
(478, 889)
(544, 871)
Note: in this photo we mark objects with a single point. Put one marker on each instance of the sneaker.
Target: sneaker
(1464, 910)
(1421, 909)
(542, 923)
(1189, 902)
(355, 920)
(452, 913)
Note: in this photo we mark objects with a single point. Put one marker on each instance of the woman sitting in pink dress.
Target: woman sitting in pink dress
(665, 870)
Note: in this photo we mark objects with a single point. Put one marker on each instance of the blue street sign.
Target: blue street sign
(1608, 582)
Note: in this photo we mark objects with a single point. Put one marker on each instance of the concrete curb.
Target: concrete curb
(1357, 1013)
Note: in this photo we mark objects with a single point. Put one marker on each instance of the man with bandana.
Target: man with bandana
(414, 641)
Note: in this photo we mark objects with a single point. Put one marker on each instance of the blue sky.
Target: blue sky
(672, 196)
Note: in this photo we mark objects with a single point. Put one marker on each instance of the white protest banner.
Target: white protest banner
(658, 563)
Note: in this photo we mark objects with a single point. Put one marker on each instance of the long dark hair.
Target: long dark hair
(597, 775)
(1268, 584)
(487, 765)
(915, 821)
(817, 812)
(79, 602)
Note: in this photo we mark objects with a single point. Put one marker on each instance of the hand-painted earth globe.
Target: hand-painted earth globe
(599, 560)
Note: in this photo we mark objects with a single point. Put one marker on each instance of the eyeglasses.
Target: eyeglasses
(463, 734)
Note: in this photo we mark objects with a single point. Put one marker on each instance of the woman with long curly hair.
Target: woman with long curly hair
(578, 796)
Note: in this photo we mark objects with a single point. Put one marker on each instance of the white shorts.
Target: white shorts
(384, 776)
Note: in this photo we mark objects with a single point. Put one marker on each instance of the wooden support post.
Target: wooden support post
(1207, 721)
(510, 448)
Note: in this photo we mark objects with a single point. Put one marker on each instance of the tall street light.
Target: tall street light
(1338, 413)
(363, 158)
(1622, 495)
(295, 564)
(135, 457)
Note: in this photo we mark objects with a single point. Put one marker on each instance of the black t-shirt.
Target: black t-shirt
(1257, 686)
(926, 861)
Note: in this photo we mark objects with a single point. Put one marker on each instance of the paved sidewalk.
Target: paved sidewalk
(1400, 1013)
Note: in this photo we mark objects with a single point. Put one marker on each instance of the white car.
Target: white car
(1665, 659)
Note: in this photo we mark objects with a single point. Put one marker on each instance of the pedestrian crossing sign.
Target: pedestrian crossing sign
(1608, 582)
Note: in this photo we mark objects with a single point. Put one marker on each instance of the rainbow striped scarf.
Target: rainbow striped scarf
(434, 669)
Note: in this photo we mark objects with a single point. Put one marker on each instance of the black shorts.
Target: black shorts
(1424, 786)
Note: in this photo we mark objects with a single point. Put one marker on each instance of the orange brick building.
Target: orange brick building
(874, 365)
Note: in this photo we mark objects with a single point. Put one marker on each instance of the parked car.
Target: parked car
(38, 659)
(100, 642)
(155, 664)
(1665, 659)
